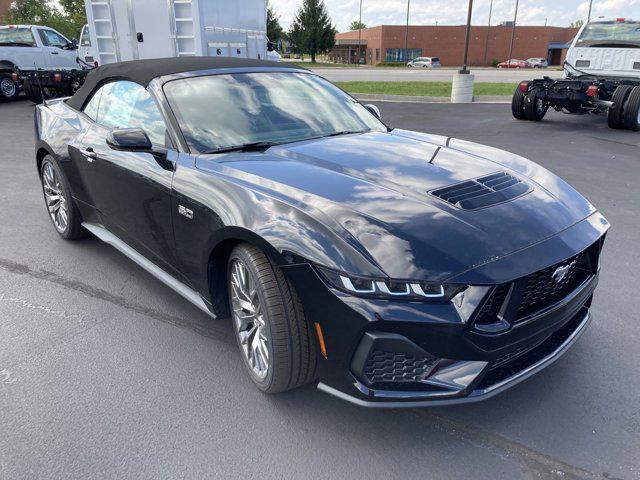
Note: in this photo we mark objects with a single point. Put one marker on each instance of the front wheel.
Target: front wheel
(61, 206)
(8, 88)
(270, 325)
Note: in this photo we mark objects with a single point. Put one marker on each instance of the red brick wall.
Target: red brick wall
(447, 42)
(4, 6)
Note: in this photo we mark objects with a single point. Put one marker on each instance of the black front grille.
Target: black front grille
(384, 367)
(491, 308)
(536, 292)
(483, 192)
(548, 286)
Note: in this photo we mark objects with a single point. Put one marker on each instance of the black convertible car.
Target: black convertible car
(395, 268)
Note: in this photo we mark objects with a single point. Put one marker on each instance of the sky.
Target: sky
(454, 12)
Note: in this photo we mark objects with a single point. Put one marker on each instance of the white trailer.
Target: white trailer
(140, 29)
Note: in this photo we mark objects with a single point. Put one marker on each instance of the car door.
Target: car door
(56, 52)
(131, 190)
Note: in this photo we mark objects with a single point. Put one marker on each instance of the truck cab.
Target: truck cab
(32, 47)
(606, 48)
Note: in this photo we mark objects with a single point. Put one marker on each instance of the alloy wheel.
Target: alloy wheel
(248, 318)
(54, 197)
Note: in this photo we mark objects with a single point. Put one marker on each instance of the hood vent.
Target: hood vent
(484, 191)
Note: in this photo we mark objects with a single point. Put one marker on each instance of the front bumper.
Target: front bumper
(539, 358)
(405, 354)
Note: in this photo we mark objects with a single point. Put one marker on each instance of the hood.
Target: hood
(621, 62)
(375, 188)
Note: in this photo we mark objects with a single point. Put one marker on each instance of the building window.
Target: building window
(370, 54)
(377, 54)
(402, 55)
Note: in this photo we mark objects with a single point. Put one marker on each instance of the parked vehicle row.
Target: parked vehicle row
(529, 63)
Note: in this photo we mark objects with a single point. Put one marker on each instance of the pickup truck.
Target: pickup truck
(29, 48)
(601, 76)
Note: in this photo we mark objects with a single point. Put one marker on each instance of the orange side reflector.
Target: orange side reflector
(323, 348)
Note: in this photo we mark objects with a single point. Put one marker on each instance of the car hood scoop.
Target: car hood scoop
(483, 191)
(400, 197)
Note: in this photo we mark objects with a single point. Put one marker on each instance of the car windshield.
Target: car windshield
(16, 36)
(220, 112)
(615, 33)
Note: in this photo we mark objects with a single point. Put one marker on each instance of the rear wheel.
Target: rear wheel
(631, 113)
(534, 108)
(8, 88)
(270, 326)
(619, 97)
(517, 105)
(61, 206)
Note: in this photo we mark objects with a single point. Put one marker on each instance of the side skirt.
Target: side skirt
(179, 287)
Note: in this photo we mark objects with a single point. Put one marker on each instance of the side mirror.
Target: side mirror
(136, 140)
(129, 140)
(373, 109)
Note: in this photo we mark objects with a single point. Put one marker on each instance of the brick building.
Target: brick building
(4, 6)
(386, 43)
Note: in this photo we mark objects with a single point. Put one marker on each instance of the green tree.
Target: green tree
(576, 24)
(356, 25)
(75, 17)
(274, 29)
(68, 19)
(311, 31)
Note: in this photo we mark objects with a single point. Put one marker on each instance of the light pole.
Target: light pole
(360, 33)
(486, 42)
(589, 16)
(406, 34)
(513, 33)
(466, 39)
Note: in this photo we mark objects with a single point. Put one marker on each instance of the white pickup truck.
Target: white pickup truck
(28, 48)
(602, 76)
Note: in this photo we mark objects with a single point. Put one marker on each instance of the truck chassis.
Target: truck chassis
(39, 85)
(618, 98)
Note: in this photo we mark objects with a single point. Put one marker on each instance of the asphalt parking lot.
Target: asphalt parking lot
(106, 373)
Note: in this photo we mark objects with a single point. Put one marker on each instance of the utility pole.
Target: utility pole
(465, 70)
(360, 34)
(486, 43)
(513, 32)
(589, 16)
(406, 34)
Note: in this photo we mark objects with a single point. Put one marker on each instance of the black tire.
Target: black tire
(534, 108)
(33, 93)
(73, 229)
(8, 88)
(517, 105)
(619, 97)
(292, 349)
(631, 111)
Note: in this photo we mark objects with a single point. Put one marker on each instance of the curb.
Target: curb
(425, 99)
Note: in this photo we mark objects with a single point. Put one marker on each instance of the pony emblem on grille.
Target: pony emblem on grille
(561, 272)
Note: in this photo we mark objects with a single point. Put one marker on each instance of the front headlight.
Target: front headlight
(371, 287)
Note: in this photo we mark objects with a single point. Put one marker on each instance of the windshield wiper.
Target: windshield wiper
(245, 147)
(343, 132)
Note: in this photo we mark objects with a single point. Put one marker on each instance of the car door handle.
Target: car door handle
(54, 53)
(90, 154)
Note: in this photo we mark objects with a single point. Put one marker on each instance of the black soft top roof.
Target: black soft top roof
(143, 71)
